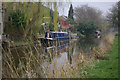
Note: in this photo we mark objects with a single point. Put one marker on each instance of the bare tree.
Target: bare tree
(119, 15)
(112, 16)
(86, 14)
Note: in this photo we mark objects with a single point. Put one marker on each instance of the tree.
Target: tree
(85, 14)
(70, 14)
(70, 21)
(112, 16)
(51, 26)
(18, 18)
(16, 26)
(51, 14)
(119, 15)
(87, 29)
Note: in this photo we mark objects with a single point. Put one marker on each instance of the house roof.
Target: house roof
(63, 18)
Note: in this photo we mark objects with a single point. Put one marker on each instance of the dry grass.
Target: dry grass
(20, 64)
(68, 71)
(98, 52)
(26, 65)
(81, 61)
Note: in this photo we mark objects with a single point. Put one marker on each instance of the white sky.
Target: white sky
(59, 0)
(103, 6)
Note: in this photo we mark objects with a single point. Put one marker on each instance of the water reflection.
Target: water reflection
(54, 56)
(63, 51)
(86, 45)
(59, 55)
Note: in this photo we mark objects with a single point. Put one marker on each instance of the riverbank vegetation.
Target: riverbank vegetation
(106, 67)
(92, 56)
(23, 20)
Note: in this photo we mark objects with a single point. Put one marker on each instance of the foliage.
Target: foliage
(86, 14)
(87, 29)
(51, 15)
(105, 68)
(112, 16)
(51, 27)
(18, 18)
(70, 14)
(71, 29)
(30, 17)
(70, 21)
(119, 14)
(16, 25)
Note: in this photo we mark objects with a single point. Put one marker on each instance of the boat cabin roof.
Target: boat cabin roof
(58, 32)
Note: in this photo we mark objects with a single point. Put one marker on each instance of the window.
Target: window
(52, 35)
(96, 32)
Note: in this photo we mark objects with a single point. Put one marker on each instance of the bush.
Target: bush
(70, 21)
(87, 29)
(18, 18)
(16, 26)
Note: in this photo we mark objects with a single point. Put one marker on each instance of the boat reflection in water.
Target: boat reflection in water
(58, 55)
(55, 42)
(60, 49)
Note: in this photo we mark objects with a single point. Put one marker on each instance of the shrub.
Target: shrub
(87, 29)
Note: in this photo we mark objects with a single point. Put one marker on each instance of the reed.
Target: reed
(100, 51)
(26, 62)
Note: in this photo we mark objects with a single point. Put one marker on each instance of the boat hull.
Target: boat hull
(50, 42)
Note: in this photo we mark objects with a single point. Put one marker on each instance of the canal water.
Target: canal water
(56, 56)
(66, 53)
(52, 57)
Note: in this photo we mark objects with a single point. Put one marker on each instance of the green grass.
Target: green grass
(105, 68)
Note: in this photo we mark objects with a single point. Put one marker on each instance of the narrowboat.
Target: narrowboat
(97, 34)
(53, 37)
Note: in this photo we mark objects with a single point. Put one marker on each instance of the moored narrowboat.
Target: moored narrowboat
(51, 37)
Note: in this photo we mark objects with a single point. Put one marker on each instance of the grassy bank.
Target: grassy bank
(26, 62)
(107, 68)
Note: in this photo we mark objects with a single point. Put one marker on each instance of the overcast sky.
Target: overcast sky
(103, 6)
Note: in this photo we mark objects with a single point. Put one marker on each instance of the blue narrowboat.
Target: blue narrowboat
(56, 35)
(52, 36)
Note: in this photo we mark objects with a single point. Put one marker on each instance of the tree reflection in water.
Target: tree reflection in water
(86, 46)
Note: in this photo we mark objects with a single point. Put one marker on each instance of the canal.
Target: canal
(44, 61)
(57, 58)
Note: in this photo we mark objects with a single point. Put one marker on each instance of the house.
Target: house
(62, 23)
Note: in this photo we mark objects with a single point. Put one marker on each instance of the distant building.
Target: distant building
(62, 22)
